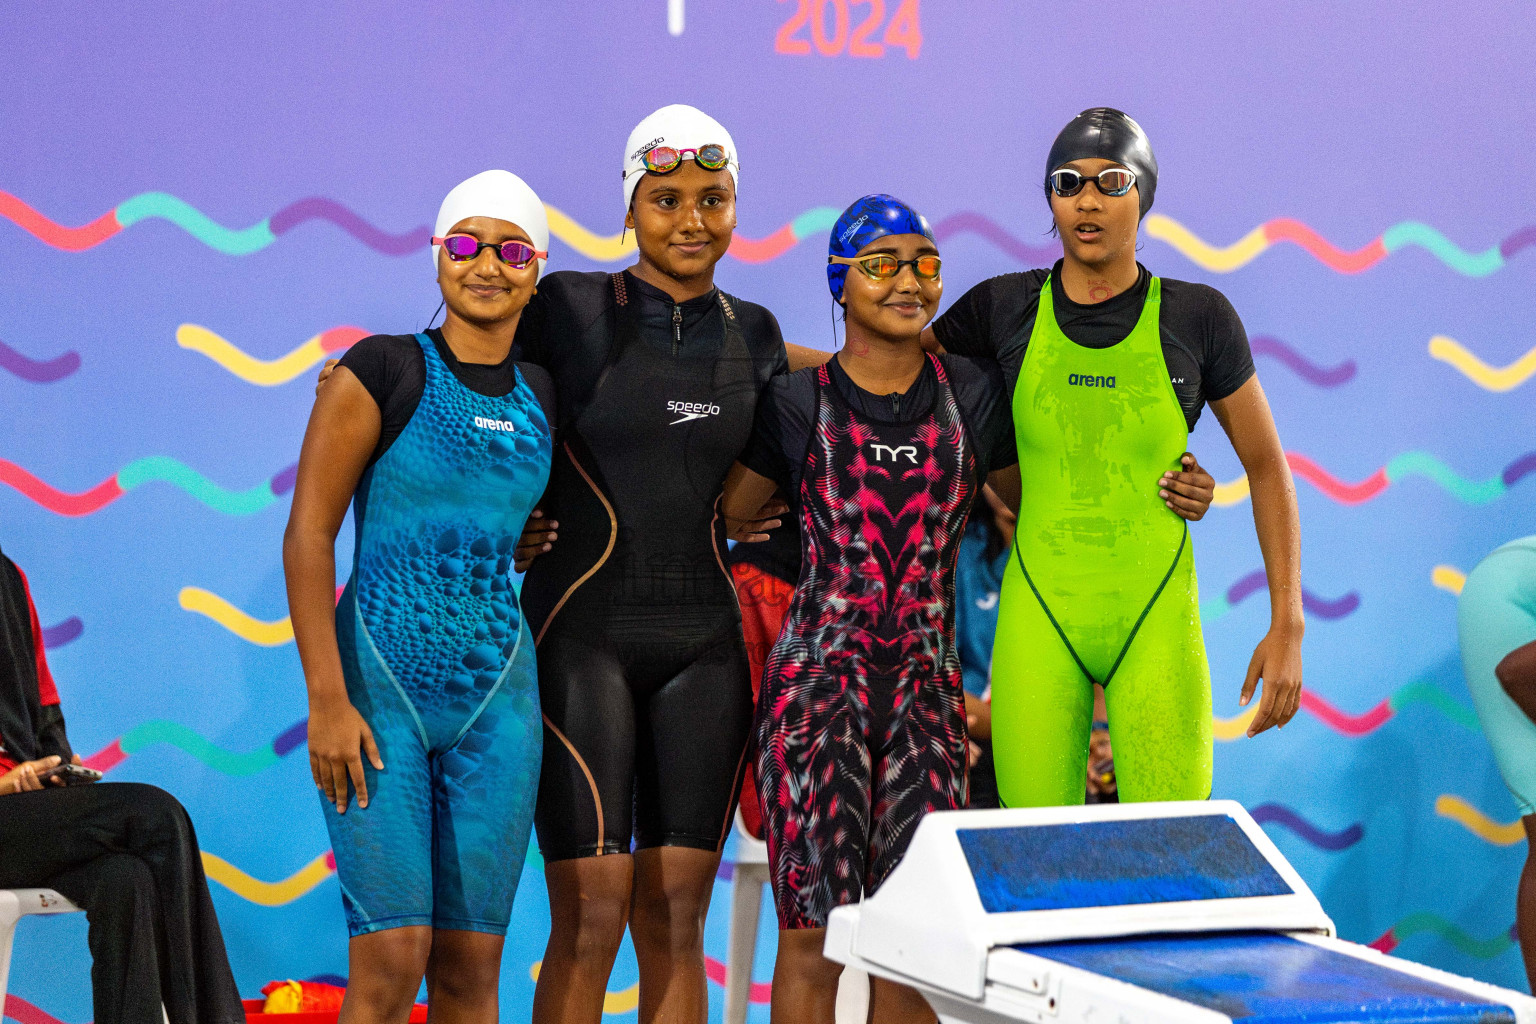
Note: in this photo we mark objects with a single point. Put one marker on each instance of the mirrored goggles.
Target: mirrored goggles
(1112, 181)
(883, 266)
(662, 159)
(463, 248)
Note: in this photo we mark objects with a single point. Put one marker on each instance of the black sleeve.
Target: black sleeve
(1227, 361)
(51, 737)
(377, 362)
(781, 429)
(532, 329)
(543, 386)
(393, 369)
(966, 327)
(983, 399)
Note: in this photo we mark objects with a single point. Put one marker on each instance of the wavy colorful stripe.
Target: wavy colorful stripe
(154, 468)
(1424, 921)
(1421, 692)
(1478, 823)
(1223, 260)
(35, 370)
(1281, 815)
(1448, 578)
(267, 372)
(61, 633)
(270, 894)
(1489, 378)
(246, 627)
(625, 1000)
(23, 1012)
(238, 763)
(1301, 366)
(1408, 464)
(1322, 607)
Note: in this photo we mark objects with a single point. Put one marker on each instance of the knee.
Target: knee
(157, 814)
(800, 956)
(120, 887)
(462, 977)
(592, 926)
(669, 916)
(388, 966)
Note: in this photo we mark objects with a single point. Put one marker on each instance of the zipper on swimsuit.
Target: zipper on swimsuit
(677, 328)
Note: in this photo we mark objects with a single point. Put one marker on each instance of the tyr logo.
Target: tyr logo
(909, 450)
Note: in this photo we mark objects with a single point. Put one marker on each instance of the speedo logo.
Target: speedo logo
(851, 229)
(637, 154)
(895, 452)
(1084, 380)
(686, 411)
(490, 424)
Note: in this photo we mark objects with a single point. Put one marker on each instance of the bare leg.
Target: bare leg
(588, 909)
(462, 977)
(1525, 903)
(384, 971)
(890, 1003)
(804, 981)
(671, 898)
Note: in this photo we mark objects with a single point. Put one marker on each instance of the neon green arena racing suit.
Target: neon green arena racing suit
(1101, 586)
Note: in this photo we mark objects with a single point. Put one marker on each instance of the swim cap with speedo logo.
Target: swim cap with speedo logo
(869, 218)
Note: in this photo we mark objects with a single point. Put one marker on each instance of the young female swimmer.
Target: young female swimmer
(1108, 368)
(426, 666)
(861, 723)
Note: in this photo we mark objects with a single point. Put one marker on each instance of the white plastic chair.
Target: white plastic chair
(747, 881)
(16, 904)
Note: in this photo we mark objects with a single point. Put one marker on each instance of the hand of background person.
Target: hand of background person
(325, 372)
(538, 537)
(338, 736)
(978, 717)
(1277, 661)
(24, 777)
(1188, 492)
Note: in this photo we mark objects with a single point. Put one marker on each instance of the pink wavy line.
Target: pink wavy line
(1338, 490)
(760, 992)
(23, 1012)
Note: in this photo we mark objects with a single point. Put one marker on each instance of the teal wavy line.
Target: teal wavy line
(814, 221)
(167, 469)
(1423, 464)
(227, 761)
(1424, 921)
(195, 223)
(1214, 609)
(1429, 693)
(1473, 264)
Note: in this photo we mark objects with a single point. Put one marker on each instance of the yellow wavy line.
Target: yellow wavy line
(268, 894)
(1491, 378)
(622, 1001)
(267, 373)
(1478, 823)
(1225, 730)
(593, 247)
(1231, 493)
(1449, 578)
(1202, 253)
(267, 634)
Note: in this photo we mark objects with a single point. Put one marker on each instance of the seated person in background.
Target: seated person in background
(124, 852)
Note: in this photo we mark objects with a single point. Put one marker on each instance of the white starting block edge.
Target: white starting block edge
(951, 951)
(1023, 987)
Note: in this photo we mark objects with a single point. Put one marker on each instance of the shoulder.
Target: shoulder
(968, 373)
(381, 356)
(793, 391)
(542, 385)
(1194, 299)
(573, 293)
(1012, 291)
(758, 325)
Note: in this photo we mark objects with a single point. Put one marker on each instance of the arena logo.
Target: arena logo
(686, 411)
(490, 424)
(1089, 381)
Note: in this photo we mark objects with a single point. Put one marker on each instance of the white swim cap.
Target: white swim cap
(681, 127)
(499, 194)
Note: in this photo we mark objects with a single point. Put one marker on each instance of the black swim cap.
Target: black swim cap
(1107, 134)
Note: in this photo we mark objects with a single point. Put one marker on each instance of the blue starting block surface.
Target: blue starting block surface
(1087, 864)
(1272, 979)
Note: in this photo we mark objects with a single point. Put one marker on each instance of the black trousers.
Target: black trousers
(126, 853)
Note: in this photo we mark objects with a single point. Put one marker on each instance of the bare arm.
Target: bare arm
(931, 342)
(800, 357)
(746, 501)
(1517, 674)
(1246, 418)
(343, 430)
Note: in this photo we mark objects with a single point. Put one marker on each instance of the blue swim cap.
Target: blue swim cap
(867, 219)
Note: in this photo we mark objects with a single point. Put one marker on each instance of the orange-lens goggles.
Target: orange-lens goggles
(883, 266)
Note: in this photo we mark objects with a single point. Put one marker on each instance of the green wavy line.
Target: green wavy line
(1424, 692)
(1424, 921)
(1473, 264)
(177, 735)
(169, 470)
(1423, 464)
(195, 223)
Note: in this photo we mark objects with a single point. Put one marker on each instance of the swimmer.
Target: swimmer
(423, 700)
(1497, 619)
(861, 722)
(1109, 368)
